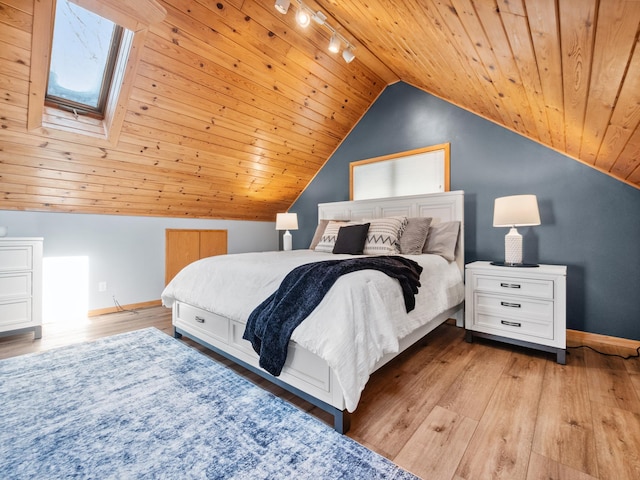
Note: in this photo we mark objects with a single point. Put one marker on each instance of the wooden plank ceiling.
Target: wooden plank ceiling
(235, 107)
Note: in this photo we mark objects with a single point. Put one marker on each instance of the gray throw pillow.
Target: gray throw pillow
(415, 235)
(442, 239)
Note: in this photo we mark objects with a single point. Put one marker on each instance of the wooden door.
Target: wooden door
(183, 247)
(213, 242)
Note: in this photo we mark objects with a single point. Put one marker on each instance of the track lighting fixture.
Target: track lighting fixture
(304, 15)
(282, 6)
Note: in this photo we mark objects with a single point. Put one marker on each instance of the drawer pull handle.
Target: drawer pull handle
(509, 285)
(510, 324)
(199, 319)
(511, 305)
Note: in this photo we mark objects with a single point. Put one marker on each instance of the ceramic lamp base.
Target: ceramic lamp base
(287, 241)
(513, 247)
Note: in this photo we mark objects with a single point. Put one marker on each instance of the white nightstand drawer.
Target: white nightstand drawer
(509, 306)
(516, 286)
(509, 325)
(15, 314)
(16, 285)
(16, 257)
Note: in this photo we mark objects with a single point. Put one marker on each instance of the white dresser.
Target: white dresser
(21, 285)
(519, 305)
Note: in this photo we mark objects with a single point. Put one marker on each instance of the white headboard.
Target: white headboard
(442, 207)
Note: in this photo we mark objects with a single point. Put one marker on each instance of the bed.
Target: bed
(333, 352)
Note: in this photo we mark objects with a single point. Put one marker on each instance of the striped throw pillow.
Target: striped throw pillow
(328, 239)
(383, 236)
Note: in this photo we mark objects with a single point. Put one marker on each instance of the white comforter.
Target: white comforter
(360, 319)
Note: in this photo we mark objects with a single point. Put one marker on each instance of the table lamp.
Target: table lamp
(515, 211)
(286, 221)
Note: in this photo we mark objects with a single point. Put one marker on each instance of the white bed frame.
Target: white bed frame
(304, 373)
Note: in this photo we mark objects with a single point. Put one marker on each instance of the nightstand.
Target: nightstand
(523, 306)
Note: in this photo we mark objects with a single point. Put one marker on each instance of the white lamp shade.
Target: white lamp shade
(516, 211)
(286, 221)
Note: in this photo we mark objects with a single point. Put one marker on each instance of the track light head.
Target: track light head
(334, 44)
(319, 18)
(348, 55)
(282, 6)
(303, 18)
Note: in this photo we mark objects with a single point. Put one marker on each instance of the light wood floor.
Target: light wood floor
(447, 409)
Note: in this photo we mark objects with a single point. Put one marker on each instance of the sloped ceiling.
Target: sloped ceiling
(235, 107)
(565, 73)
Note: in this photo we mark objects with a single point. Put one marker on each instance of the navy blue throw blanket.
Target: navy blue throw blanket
(271, 324)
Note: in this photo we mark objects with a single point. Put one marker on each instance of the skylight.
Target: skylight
(83, 55)
(83, 65)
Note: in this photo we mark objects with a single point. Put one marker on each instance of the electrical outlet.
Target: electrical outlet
(102, 286)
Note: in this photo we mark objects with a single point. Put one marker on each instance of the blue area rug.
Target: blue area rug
(144, 405)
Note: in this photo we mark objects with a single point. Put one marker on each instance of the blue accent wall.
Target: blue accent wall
(590, 221)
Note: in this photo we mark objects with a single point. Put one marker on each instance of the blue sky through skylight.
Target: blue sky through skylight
(81, 43)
